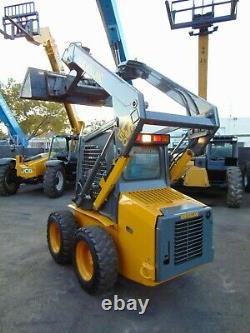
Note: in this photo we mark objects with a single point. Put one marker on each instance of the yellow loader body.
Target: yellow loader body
(135, 231)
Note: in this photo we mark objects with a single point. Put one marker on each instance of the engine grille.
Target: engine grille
(188, 240)
(160, 196)
(91, 153)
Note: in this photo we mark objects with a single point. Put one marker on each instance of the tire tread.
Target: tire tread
(235, 187)
(106, 256)
(67, 227)
(49, 181)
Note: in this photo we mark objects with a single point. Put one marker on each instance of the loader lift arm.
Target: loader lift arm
(128, 104)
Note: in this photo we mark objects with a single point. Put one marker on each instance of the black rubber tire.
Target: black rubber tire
(50, 181)
(67, 227)
(9, 183)
(234, 187)
(104, 256)
(247, 174)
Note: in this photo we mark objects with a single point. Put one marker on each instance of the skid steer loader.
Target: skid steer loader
(125, 218)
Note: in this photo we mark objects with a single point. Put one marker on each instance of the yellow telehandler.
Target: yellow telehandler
(52, 169)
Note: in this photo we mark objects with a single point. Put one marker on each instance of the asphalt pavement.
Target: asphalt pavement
(37, 295)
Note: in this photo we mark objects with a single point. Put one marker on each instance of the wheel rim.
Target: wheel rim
(54, 237)
(59, 180)
(84, 260)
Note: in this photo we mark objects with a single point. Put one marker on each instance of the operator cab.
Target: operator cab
(63, 148)
(223, 148)
(63, 151)
(221, 156)
(147, 168)
(148, 164)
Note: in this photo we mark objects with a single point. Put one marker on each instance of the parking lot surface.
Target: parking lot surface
(37, 295)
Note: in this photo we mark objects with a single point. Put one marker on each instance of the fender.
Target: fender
(52, 163)
(7, 160)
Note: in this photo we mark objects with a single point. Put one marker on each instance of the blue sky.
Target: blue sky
(150, 40)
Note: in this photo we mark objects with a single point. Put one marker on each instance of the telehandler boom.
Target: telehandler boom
(22, 20)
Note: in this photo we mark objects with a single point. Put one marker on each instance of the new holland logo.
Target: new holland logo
(189, 215)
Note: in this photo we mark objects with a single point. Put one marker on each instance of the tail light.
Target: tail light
(160, 139)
